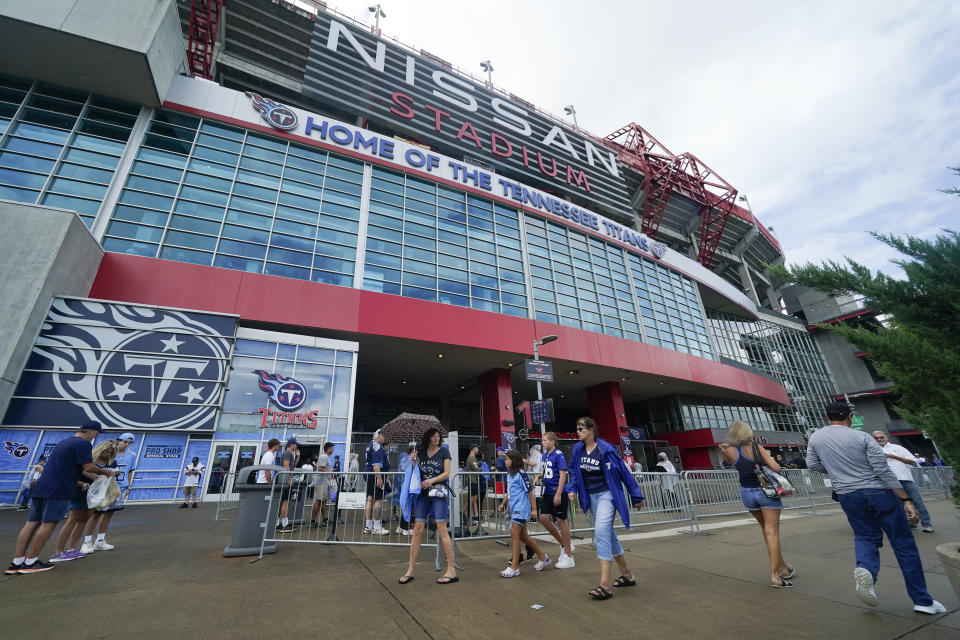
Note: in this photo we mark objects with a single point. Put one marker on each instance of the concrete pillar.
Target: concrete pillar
(496, 407)
(773, 299)
(606, 409)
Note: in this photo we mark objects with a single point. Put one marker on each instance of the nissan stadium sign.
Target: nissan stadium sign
(349, 68)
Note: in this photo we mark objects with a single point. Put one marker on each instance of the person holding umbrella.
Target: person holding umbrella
(433, 463)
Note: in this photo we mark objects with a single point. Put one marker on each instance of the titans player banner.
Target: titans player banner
(130, 367)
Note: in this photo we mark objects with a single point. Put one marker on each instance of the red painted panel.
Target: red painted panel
(164, 282)
(496, 405)
(606, 408)
(292, 302)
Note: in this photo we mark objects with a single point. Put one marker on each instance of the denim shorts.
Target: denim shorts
(425, 505)
(48, 509)
(755, 499)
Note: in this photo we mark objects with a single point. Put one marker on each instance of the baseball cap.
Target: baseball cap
(500, 449)
(839, 410)
(126, 436)
(474, 445)
(91, 425)
(292, 441)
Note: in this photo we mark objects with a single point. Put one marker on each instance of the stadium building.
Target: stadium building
(225, 222)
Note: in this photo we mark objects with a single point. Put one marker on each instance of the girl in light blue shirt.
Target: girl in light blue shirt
(519, 500)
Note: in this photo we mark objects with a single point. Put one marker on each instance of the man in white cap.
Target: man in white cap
(100, 522)
(376, 463)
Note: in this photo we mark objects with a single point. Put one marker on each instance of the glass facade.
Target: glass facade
(60, 147)
(211, 194)
(326, 373)
(199, 191)
(433, 243)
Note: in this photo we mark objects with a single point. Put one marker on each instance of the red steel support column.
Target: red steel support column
(606, 409)
(496, 405)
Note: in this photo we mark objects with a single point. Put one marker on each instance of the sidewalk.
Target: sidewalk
(167, 579)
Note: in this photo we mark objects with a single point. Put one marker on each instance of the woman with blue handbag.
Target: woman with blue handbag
(433, 467)
(762, 507)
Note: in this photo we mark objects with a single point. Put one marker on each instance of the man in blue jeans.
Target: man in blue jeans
(900, 460)
(874, 503)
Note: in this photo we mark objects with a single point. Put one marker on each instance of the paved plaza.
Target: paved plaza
(167, 579)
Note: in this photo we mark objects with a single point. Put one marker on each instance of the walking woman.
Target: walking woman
(765, 510)
(597, 477)
(433, 463)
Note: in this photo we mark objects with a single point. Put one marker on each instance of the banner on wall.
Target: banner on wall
(130, 367)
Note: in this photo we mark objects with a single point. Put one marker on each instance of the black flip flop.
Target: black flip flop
(624, 581)
(600, 593)
(406, 579)
(448, 579)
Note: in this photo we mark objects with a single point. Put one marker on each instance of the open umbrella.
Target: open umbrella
(408, 427)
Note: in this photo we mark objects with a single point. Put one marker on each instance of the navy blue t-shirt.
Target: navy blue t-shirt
(376, 454)
(553, 463)
(433, 466)
(591, 470)
(62, 471)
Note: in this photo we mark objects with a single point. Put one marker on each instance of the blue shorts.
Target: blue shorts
(519, 521)
(76, 505)
(425, 505)
(755, 499)
(48, 509)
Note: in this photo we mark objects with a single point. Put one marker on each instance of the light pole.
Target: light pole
(570, 111)
(378, 13)
(536, 356)
(486, 66)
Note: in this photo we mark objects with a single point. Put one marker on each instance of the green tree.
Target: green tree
(918, 349)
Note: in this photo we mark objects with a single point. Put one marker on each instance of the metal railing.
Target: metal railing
(684, 499)
(228, 497)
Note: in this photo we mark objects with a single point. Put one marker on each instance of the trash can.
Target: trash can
(248, 532)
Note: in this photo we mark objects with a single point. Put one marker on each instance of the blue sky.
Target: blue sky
(833, 120)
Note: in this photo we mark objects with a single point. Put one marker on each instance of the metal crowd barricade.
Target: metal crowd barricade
(346, 496)
(228, 498)
(665, 502)
(933, 480)
(683, 498)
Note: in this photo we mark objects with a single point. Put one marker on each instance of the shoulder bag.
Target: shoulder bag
(774, 485)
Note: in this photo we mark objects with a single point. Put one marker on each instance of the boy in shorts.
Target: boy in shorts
(555, 501)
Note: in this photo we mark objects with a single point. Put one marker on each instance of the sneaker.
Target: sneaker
(102, 545)
(928, 528)
(12, 570)
(865, 590)
(195, 505)
(60, 557)
(285, 529)
(367, 529)
(566, 562)
(507, 573)
(932, 609)
(88, 547)
(543, 564)
(183, 506)
(401, 531)
(379, 532)
(72, 554)
(36, 567)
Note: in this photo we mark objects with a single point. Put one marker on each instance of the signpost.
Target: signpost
(541, 371)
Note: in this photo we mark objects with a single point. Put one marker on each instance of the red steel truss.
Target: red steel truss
(204, 22)
(666, 174)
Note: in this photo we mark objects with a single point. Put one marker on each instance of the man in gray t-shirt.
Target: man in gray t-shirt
(874, 503)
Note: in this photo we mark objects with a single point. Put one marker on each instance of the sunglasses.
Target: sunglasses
(583, 428)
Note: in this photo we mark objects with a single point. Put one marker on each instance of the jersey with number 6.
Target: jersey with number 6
(553, 464)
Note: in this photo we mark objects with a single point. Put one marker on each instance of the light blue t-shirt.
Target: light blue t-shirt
(518, 489)
(127, 463)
